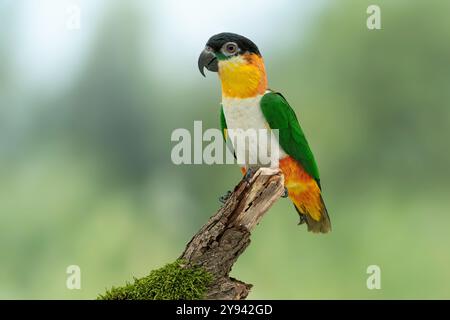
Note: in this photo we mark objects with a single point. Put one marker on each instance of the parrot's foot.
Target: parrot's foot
(302, 219)
(285, 193)
(248, 174)
(225, 197)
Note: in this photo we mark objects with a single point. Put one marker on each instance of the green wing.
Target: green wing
(223, 124)
(223, 127)
(280, 116)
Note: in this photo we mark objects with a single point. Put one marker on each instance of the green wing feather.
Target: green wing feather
(279, 115)
(223, 123)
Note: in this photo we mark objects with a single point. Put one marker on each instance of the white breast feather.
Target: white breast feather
(246, 114)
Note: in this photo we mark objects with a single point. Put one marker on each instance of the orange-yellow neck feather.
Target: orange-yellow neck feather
(243, 76)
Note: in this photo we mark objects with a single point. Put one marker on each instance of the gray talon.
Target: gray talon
(302, 219)
(248, 175)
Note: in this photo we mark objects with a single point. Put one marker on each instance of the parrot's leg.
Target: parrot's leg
(225, 197)
(285, 193)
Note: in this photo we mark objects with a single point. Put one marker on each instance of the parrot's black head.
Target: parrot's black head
(224, 46)
(231, 44)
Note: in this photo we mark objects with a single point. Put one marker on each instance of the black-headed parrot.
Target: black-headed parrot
(248, 103)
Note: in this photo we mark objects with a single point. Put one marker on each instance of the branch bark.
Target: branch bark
(226, 235)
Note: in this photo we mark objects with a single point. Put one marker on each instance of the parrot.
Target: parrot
(248, 103)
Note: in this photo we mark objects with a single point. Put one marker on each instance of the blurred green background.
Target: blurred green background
(86, 117)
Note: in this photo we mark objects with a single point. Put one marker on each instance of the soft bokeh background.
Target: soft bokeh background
(86, 117)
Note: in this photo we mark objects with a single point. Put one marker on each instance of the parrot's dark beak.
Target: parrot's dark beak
(207, 60)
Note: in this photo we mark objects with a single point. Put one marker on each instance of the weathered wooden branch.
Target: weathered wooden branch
(220, 242)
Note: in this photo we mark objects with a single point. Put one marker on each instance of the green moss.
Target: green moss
(171, 282)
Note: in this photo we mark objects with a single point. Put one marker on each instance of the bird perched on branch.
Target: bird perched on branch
(247, 103)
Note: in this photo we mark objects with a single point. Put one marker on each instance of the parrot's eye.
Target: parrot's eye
(230, 48)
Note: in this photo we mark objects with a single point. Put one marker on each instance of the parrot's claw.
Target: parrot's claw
(248, 175)
(302, 219)
(285, 193)
(225, 197)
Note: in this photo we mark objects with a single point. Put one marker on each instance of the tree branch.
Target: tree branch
(220, 242)
(203, 269)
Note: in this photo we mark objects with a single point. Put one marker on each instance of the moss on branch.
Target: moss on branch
(174, 281)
